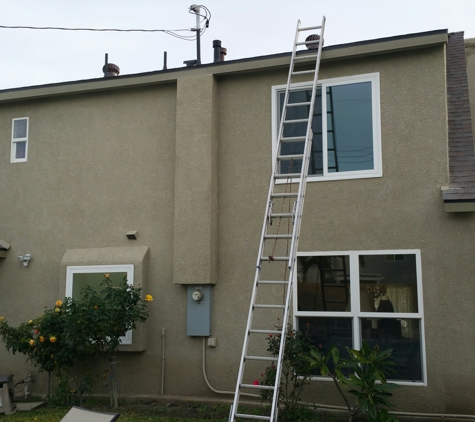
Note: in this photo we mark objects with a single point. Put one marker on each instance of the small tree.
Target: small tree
(367, 382)
(75, 329)
(295, 372)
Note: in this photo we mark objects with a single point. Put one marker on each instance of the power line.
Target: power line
(59, 28)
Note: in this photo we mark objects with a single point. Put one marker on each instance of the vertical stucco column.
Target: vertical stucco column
(195, 224)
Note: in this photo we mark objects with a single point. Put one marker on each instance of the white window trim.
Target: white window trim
(355, 300)
(375, 98)
(126, 268)
(13, 158)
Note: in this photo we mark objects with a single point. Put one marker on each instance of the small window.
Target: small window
(346, 128)
(345, 298)
(19, 152)
(77, 277)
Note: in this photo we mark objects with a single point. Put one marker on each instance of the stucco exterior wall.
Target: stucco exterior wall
(187, 164)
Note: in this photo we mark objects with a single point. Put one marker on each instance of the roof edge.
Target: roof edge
(337, 52)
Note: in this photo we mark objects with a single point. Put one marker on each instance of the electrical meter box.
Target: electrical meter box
(7, 405)
(198, 311)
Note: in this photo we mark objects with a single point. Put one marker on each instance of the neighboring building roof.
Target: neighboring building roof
(460, 132)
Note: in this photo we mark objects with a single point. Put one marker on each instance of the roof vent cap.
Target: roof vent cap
(111, 69)
(314, 45)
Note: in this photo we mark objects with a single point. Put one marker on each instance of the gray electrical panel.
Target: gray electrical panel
(198, 312)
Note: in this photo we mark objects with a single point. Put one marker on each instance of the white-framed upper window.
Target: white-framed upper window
(342, 298)
(347, 143)
(77, 277)
(19, 153)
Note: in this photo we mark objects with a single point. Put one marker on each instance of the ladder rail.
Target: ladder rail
(294, 237)
(307, 150)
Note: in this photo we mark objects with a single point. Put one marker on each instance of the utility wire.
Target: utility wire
(59, 28)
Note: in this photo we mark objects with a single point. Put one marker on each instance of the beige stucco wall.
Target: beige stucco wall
(106, 163)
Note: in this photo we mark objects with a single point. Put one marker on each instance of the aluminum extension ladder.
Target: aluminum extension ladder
(274, 248)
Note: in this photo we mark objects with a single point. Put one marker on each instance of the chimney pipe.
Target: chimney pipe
(219, 52)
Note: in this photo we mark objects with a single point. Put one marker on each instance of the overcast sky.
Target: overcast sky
(247, 28)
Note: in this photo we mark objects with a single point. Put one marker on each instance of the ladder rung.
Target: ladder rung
(293, 139)
(311, 56)
(290, 157)
(255, 331)
(285, 195)
(264, 358)
(303, 72)
(282, 215)
(278, 236)
(275, 258)
(299, 104)
(309, 42)
(273, 282)
(309, 28)
(244, 416)
(287, 175)
(259, 387)
(261, 305)
(295, 121)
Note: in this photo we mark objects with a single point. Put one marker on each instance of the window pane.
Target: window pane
(328, 332)
(20, 149)
(94, 280)
(350, 127)
(299, 129)
(388, 286)
(401, 335)
(19, 128)
(323, 283)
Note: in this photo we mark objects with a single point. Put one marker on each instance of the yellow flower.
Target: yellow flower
(96, 307)
(148, 298)
(52, 339)
(56, 309)
(30, 322)
(42, 339)
(32, 342)
(106, 275)
(2, 319)
(59, 302)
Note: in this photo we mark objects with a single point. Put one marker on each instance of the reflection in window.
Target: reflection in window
(324, 283)
(349, 129)
(384, 308)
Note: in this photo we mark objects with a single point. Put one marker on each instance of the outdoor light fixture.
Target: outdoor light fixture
(25, 259)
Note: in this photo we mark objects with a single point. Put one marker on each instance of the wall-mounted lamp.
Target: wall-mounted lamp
(25, 259)
(132, 234)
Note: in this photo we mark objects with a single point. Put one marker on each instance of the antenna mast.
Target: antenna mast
(196, 10)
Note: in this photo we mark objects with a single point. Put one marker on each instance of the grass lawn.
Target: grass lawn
(131, 413)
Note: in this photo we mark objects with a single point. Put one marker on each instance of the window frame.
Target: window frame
(373, 78)
(356, 314)
(82, 269)
(14, 141)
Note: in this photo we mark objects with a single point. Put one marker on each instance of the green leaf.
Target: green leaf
(335, 354)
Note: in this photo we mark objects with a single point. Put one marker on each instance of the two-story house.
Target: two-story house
(162, 177)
